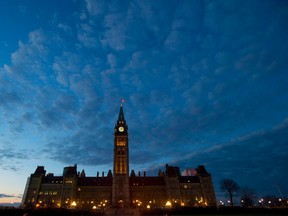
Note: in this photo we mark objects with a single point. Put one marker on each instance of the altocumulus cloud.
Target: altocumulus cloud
(202, 80)
(9, 158)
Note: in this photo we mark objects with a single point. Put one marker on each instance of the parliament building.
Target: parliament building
(74, 189)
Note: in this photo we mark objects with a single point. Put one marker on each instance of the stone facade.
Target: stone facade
(119, 189)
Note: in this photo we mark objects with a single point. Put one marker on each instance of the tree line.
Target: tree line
(248, 195)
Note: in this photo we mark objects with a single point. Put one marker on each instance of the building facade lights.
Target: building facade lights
(118, 187)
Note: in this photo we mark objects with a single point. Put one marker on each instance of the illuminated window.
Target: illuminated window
(121, 166)
(121, 141)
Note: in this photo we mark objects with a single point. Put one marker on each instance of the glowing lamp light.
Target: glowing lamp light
(73, 203)
(148, 206)
(168, 204)
(94, 207)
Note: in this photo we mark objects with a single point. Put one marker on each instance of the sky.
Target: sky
(204, 82)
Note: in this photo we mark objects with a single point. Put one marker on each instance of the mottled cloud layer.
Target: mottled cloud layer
(204, 83)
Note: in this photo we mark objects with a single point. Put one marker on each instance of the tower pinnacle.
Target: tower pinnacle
(121, 114)
(120, 188)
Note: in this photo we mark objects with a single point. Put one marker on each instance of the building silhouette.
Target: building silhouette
(74, 189)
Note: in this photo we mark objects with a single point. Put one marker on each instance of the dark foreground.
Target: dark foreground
(236, 211)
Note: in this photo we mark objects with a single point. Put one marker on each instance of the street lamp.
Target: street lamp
(168, 204)
(73, 204)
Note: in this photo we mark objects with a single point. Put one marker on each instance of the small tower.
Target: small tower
(120, 189)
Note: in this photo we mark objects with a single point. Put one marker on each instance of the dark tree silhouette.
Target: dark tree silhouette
(230, 187)
(248, 196)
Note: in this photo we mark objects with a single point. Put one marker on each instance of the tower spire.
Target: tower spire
(121, 113)
(120, 186)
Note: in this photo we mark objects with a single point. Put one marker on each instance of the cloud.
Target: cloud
(112, 60)
(28, 59)
(28, 72)
(9, 158)
(66, 28)
(9, 98)
(83, 148)
(6, 195)
(260, 154)
(86, 36)
(66, 103)
(95, 7)
(3, 195)
(65, 66)
(114, 36)
(196, 76)
(50, 118)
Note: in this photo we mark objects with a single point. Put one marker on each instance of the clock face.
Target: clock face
(121, 129)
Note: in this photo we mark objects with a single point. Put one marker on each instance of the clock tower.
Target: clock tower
(120, 189)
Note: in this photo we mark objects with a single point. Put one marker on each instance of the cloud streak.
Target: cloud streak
(2, 195)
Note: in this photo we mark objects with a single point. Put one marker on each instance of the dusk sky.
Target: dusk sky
(204, 82)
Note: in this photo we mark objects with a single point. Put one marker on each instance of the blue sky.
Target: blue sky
(204, 82)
